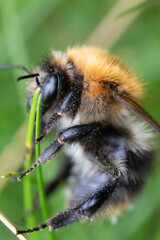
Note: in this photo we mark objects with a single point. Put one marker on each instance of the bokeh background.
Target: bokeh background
(28, 31)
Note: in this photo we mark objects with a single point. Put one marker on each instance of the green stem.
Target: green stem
(39, 170)
(28, 196)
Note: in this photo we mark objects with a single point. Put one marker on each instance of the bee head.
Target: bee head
(54, 85)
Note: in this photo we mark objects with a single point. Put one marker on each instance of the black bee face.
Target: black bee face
(54, 87)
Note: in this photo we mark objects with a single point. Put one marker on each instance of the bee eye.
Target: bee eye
(50, 90)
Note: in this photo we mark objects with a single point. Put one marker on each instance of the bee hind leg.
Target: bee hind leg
(83, 209)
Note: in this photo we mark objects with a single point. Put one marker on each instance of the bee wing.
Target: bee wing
(139, 111)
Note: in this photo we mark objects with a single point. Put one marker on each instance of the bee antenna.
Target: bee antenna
(29, 74)
(15, 67)
(37, 81)
(34, 75)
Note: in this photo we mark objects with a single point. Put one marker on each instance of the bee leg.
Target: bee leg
(49, 153)
(69, 105)
(84, 209)
(70, 135)
(49, 126)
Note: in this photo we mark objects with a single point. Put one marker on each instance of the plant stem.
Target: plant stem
(28, 196)
(10, 226)
(39, 170)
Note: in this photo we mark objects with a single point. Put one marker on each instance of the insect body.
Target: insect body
(89, 95)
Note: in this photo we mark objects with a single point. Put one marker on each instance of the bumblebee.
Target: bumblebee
(91, 97)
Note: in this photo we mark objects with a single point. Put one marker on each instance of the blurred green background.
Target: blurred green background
(28, 31)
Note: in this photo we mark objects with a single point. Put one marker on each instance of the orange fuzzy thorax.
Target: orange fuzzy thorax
(98, 66)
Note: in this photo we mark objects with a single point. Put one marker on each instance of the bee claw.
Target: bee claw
(39, 139)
